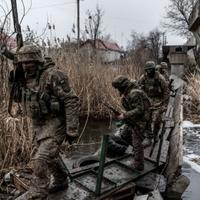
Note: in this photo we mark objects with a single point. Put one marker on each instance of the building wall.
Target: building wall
(102, 55)
(108, 56)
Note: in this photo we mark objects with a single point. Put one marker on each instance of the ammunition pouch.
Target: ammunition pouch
(48, 104)
(54, 106)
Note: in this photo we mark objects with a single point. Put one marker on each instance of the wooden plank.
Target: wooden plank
(164, 151)
(127, 191)
(150, 181)
(142, 197)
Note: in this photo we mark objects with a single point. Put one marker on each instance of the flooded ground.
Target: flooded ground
(191, 169)
(95, 129)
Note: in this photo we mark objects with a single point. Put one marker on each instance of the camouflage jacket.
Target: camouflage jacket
(52, 102)
(156, 88)
(137, 106)
(165, 75)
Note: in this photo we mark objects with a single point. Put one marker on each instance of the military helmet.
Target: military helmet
(158, 67)
(120, 82)
(29, 53)
(164, 65)
(150, 65)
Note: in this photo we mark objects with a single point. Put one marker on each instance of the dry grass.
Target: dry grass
(15, 142)
(193, 87)
(90, 80)
(192, 109)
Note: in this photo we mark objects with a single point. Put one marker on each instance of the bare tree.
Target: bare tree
(138, 50)
(142, 48)
(177, 16)
(94, 23)
(154, 40)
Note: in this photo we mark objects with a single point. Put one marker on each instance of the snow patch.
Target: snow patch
(186, 124)
(189, 124)
(189, 160)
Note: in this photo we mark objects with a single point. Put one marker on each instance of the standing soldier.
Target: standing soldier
(53, 107)
(163, 70)
(156, 88)
(137, 117)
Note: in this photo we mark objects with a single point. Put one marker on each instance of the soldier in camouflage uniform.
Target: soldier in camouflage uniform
(137, 117)
(53, 107)
(163, 70)
(156, 88)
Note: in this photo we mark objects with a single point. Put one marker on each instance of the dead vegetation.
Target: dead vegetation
(192, 101)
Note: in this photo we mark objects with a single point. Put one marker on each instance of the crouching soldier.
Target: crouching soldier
(137, 117)
(53, 107)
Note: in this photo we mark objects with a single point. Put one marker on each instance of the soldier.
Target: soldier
(137, 117)
(54, 108)
(156, 87)
(163, 70)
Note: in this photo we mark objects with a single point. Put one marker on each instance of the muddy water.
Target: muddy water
(93, 132)
(95, 129)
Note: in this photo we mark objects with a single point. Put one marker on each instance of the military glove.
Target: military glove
(147, 142)
(129, 150)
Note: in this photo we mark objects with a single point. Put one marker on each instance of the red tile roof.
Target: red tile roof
(104, 45)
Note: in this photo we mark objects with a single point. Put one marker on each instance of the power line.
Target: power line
(53, 5)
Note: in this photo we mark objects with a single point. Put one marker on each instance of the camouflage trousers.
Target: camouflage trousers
(156, 120)
(136, 138)
(46, 162)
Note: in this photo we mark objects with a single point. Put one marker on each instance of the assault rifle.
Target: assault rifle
(124, 121)
(17, 75)
(112, 109)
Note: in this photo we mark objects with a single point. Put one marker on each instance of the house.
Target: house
(105, 51)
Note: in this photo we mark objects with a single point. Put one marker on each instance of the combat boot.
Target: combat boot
(138, 166)
(58, 185)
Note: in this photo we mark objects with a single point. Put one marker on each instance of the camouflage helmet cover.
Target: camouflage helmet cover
(158, 67)
(149, 65)
(120, 82)
(164, 65)
(29, 53)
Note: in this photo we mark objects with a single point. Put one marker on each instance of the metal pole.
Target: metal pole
(78, 23)
(104, 144)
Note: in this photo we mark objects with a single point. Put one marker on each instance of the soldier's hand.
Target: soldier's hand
(147, 142)
(157, 104)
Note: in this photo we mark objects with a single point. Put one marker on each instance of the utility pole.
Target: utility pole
(78, 23)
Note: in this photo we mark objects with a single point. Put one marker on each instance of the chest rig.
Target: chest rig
(40, 100)
(153, 87)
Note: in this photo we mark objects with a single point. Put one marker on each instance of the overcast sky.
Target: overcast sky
(120, 16)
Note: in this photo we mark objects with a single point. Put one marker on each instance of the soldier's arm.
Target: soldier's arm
(165, 89)
(66, 94)
(137, 105)
(141, 81)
